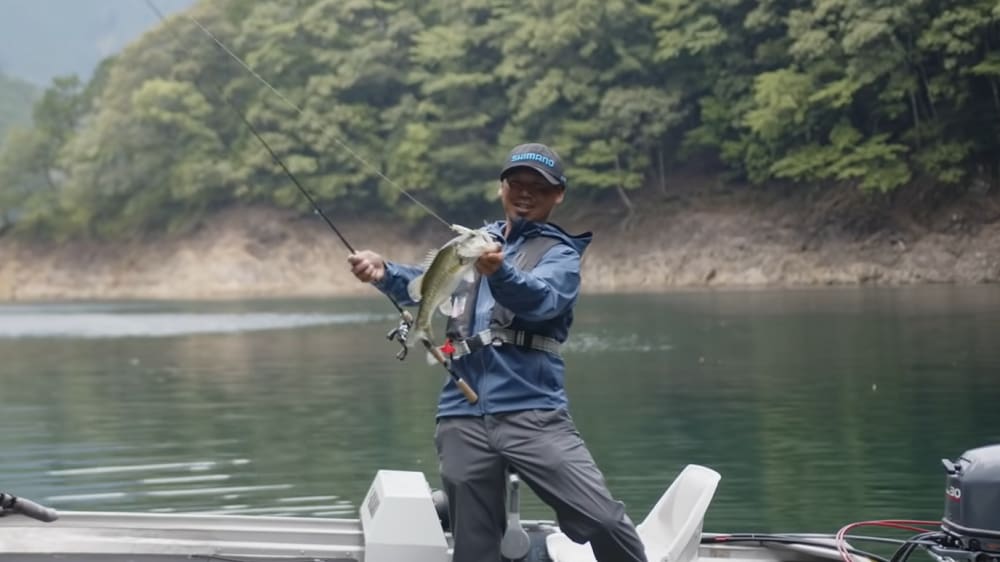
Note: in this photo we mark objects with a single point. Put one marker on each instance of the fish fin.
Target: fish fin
(431, 360)
(445, 307)
(415, 287)
(429, 259)
(416, 337)
(469, 276)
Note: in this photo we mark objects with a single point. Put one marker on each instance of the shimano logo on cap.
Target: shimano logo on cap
(535, 157)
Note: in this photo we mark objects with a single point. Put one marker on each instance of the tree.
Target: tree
(371, 97)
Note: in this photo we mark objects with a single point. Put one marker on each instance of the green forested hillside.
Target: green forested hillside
(16, 98)
(853, 94)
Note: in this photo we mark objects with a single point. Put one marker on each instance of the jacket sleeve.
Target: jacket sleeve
(547, 291)
(395, 281)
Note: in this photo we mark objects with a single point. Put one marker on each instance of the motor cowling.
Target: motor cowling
(972, 499)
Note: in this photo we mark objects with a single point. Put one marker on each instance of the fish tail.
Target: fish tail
(418, 336)
(422, 338)
(431, 360)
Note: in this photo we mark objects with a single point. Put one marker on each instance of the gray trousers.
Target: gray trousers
(549, 455)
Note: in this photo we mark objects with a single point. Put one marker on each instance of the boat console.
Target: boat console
(399, 520)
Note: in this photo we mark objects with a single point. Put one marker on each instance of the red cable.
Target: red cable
(905, 524)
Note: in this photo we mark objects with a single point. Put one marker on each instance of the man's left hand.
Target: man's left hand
(490, 262)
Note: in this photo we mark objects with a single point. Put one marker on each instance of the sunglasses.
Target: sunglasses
(529, 185)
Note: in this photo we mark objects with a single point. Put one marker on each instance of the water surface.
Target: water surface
(819, 407)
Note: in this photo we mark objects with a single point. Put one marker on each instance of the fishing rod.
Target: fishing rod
(371, 167)
(401, 332)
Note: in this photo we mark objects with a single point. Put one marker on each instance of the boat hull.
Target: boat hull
(151, 537)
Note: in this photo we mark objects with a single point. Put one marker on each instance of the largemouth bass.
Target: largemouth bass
(445, 269)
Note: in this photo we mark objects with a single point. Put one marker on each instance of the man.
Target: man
(505, 331)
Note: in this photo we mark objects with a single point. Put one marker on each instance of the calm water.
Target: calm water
(819, 407)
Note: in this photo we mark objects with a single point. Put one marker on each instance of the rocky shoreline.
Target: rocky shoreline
(726, 240)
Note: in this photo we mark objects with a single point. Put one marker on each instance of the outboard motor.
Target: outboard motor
(972, 503)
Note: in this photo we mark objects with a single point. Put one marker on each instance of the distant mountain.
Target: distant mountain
(41, 39)
(16, 99)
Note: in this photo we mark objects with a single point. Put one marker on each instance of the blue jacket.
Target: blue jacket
(509, 378)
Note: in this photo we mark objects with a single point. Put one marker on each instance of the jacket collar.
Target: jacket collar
(529, 229)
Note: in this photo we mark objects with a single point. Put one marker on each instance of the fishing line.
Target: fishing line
(406, 318)
(401, 332)
(260, 138)
(298, 109)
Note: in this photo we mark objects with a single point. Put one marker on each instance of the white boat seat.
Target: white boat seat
(671, 532)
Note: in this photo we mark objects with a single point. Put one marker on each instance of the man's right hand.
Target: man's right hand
(367, 266)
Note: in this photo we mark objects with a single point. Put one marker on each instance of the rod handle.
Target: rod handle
(28, 508)
(464, 387)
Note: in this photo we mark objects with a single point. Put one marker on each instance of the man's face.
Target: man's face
(526, 194)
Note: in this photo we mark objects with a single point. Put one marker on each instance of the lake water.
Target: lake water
(819, 407)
